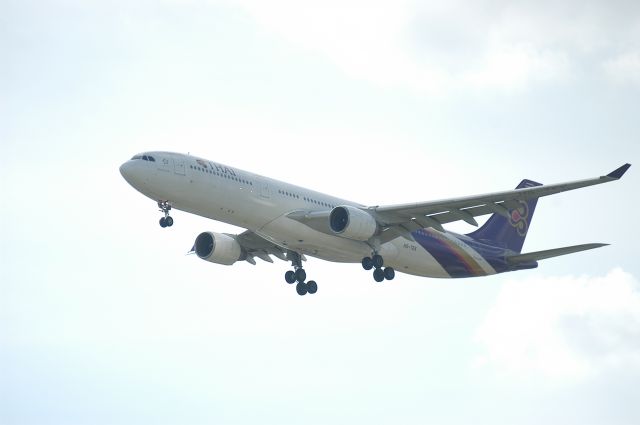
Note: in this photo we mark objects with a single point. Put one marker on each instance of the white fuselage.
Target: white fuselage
(261, 204)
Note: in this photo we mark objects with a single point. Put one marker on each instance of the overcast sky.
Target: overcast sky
(105, 320)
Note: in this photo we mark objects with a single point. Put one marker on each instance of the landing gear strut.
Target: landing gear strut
(167, 220)
(376, 262)
(299, 275)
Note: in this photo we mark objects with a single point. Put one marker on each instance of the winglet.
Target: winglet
(619, 172)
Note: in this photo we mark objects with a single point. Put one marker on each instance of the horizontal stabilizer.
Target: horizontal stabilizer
(550, 253)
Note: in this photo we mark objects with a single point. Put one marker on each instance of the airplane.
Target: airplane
(290, 222)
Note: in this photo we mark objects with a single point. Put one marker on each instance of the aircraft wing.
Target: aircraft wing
(317, 220)
(402, 219)
(255, 245)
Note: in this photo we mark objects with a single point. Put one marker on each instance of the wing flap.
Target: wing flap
(550, 253)
(257, 246)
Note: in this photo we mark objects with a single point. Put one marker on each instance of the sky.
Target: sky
(105, 320)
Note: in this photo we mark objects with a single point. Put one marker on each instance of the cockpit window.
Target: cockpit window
(144, 158)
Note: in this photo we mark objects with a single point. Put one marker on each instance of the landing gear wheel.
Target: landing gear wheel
(301, 275)
(367, 263)
(377, 260)
(301, 288)
(389, 273)
(165, 207)
(378, 275)
(312, 287)
(290, 276)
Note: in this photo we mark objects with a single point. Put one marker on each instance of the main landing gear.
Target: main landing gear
(167, 220)
(376, 262)
(299, 275)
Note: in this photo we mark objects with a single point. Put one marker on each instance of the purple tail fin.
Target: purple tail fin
(509, 232)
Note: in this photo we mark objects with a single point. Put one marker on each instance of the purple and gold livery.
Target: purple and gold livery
(484, 251)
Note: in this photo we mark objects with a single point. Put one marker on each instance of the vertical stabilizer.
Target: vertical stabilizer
(509, 232)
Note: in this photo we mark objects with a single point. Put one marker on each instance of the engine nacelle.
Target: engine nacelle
(218, 248)
(352, 223)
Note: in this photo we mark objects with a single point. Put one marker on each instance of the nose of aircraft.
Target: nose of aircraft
(133, 173)
(125, 170)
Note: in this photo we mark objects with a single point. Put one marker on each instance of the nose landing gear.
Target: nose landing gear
(167, 220)
(299, 275)
(379, 273)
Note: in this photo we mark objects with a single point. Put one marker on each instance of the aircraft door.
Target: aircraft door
(164, 164)
(264, 189)
(178, 166)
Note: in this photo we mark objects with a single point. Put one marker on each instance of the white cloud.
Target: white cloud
(374, 42)
(440, 48)
(564, 327)
(362, 38)
(515, 66)
(624, 68)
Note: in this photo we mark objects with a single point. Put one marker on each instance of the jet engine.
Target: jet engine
(218, 248)
(352, 223)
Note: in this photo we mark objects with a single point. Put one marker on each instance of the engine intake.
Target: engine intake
(352, 223)
(218, 248)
